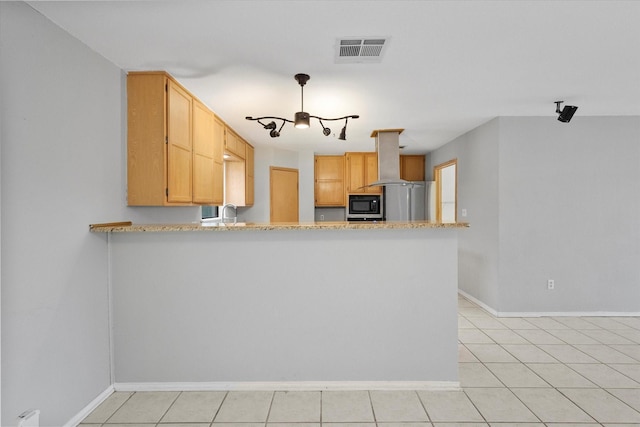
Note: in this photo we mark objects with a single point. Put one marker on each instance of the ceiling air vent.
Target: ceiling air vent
(360, 49)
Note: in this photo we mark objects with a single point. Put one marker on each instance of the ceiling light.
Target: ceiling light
(567, 112)
(301, 118)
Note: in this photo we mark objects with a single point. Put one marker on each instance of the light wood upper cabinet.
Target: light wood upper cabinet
(218, 161)
(174, 150)
(361, 170)
(233, 144)
(412, 167)
(329, 186)
(239, 173)
(249, 175)
(203, 154)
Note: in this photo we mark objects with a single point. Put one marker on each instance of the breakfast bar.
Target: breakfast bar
(284, 306)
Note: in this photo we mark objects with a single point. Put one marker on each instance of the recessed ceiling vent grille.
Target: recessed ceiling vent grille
(360, 49)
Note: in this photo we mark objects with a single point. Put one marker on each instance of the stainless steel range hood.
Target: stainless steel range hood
(388, 149)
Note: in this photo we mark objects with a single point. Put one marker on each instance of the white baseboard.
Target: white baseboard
(547, 313)
(289, 386)
(77, 419)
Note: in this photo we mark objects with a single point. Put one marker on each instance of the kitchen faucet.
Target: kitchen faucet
(223, 216)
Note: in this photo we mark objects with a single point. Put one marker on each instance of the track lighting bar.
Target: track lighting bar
(301, 118)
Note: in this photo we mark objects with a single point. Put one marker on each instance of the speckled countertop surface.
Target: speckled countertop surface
(127, 227)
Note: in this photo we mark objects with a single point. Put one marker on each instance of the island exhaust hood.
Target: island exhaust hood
(388, 149)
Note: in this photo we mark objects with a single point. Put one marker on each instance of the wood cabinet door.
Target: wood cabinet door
(371, 172)
(283, 186)
(355, 172)
(249, 166)
(203, 154)
(179, 148)
(412, 167)
(329, 187)
(218, 162)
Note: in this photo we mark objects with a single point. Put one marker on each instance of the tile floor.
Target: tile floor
(564, 372)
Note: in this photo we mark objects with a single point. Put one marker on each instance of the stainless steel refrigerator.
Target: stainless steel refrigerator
(406, 202)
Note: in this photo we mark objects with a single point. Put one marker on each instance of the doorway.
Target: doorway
(283, 194)
(446, 177)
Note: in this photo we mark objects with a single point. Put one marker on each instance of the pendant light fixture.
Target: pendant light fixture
(301, 118)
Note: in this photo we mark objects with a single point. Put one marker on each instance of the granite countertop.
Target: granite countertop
(128, 227)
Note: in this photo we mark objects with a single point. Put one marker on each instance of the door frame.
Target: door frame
(437, 177)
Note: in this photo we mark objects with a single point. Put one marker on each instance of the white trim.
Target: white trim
(289, 386)
(77, 419)
(547, 313)
(476, 301)
(112, 366)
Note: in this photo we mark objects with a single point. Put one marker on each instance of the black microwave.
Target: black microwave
(364, 207)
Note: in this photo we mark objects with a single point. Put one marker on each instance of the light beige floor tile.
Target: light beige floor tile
(631, 334)
(529, 353)
(177, 425)
(473, 336)
(601, 405)
(194, 407)
(546, 323)
(490, 353)
(516, 424)
(107, 408)
(609, 323)
(500, 405)
(397, 406)
(632, 371)
(144, 407)
(572, 424)
(629, 396)
(604, 353)
(460, 424)
(634, 322)
(567, 354)
(576, 323)
(559, 375)
(505, 336)
(603, 375)
(345, 424)
(283, 425)
(538, 336)
(630, 350)
(245, 406)
(415, 424)
(130, 425)
(486, 323)
(516, 375)
(475, 311)
(295, 406)
(606, 337)
(346, 406)
(571, 336)
(463, 323)
(215, 424)
(551, 406)
(464, 355)
(449, 406)
(477, 375)
(516, 323)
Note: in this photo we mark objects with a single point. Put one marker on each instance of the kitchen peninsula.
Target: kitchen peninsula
(284, 306)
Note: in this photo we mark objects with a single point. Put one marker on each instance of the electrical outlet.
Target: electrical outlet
(321, 217)
(464, 212)
(551, 284)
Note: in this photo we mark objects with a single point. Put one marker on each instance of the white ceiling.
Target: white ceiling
(449, 66)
